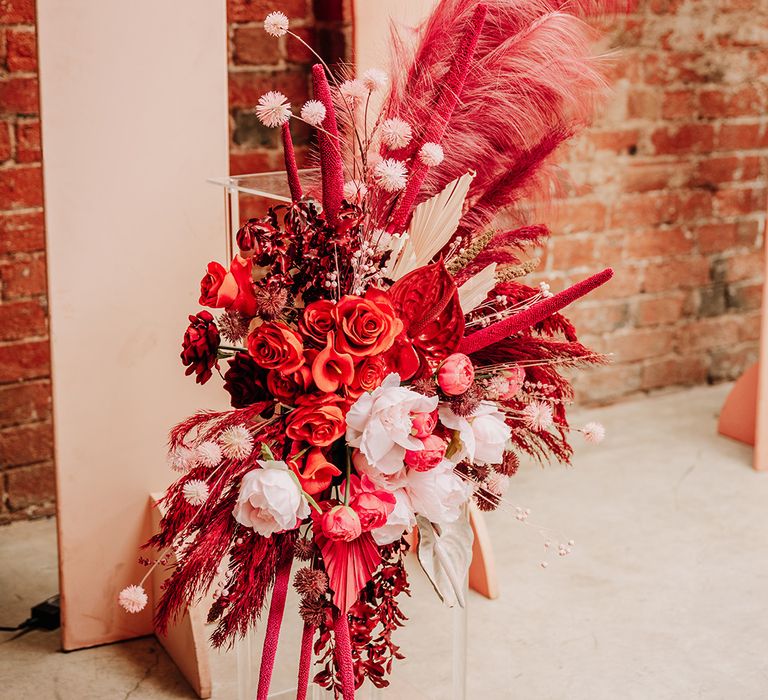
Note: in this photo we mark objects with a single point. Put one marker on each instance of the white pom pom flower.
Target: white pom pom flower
(391, 174)
(431, 154)
(538, 415)
(195, 492)
(354, 189)
(375, 79)
(594, 433)
(236, 442)
(133, 599)
(273, 109)
(209, 454)
(313, 112)
(182, 459)
(395, 133)
(353, 92)
(276, 24)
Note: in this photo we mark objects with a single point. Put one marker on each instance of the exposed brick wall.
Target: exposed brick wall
(26, 437)
(669, 188)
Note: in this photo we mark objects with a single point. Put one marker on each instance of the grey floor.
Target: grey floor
(664, 596)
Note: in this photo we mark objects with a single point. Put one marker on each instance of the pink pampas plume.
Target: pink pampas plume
(331, 165)
(538, 312)
(291, 168)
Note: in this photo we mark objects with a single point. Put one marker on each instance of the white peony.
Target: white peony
(379, 423)
(400, 521)
(270, 499)
(483, 435)
(388, 482)
(438, 494)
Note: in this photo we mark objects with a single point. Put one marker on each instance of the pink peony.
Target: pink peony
(429, 457)
(456, 374)
(515, 378)
(341, 523)
(423, 424)
(372, 505)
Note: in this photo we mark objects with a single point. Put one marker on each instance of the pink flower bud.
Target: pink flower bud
(429, 457)
(456, 374)
(423, 424)
(341, 523)
(515, 377)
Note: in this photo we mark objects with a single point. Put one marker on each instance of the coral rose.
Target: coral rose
(366, 326)
(231, 289)
(316, 473)
(287, 388)
(369, 374)
(341, 523)
(317, 321)
(274, 345)
(429, 457)
(318, 420)
(455, 374)
(332, 369)
(200, 346)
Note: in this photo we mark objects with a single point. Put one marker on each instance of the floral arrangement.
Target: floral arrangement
(386, 364)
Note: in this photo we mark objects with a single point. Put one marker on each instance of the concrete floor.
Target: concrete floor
(663, 596)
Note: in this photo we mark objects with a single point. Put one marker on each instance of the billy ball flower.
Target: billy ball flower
(273, 109)
(593, 433)
(375, 79)
(395, 133)
(195, 492)
(353, 92)
(132, 599)
(236, 442)
(276, 24)
(313, 112)
(391, 174)
(431, 154)
(354, 189)
(209, 454)
(538, 415)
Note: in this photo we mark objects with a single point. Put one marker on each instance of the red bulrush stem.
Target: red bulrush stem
(274, 622)
(331, 166)
(532, 315)
(305, 661)
(445, 104)
(344, 656)
(291, 169)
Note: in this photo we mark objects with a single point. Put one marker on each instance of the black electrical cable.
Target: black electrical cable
(45, 615)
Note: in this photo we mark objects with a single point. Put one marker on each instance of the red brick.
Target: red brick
(658, 243)
(743, 102)
(600, 318)
(746, 296)
(682, 273)
(616, 141)
(245, 87)
(660, 310)
(25, 402)
(661, 372)
(18, 95)
(647, 176)
(249, 162)
(21, 188)
(257, 10)
(6, 150)
(579, 215)
(734, 137)
(727, 169)
(568, 252)
(26, 444)
(296, 52)
(252, 46)
(749, 326)
(638, 344)
(24, 360)
(644, 104)
(21, 50)
(28, 142)
(688, 138)
(716, 238)
(607, 384)
(22, 319)
(734, 201)
(679, 104)
(21, 232)
(23, 278)
(745, 266)
(17, 12)
(32, 488)
(707, 333)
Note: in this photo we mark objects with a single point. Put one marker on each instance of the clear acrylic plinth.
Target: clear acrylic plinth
(433, 641)
(248, 195)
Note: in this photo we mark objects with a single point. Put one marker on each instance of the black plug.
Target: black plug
(44, 616)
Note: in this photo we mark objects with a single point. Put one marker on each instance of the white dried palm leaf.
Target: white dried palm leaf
(474, 291)
(432, 225)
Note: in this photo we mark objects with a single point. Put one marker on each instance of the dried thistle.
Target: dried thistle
(310, 583)
(466, 403)
(312, 611)
(509, 464)
(233, 326)
(425, 386)
(270, 301)
(487, 500)
(304, 549)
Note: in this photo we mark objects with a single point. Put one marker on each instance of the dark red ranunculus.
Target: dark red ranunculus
(200, 346)
(246, 382)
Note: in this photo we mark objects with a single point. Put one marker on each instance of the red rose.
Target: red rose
(369, 374)
(317, 322)
(275, 346)
(286, 388)
(373, 506)
(316, 472)
(341, 523)
(318, 420)
(200, 346)
(366, 326)
(332, 369)
(234, 289)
